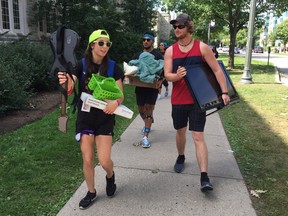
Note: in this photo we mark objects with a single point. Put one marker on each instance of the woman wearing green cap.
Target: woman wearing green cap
(95, 126)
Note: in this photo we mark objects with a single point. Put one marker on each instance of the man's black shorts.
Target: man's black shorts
(146, 96)
(181, 114)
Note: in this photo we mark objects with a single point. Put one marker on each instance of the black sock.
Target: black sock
(204, 176)
(182, 156)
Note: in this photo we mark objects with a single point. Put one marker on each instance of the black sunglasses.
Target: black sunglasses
(146, 39)
(101, 43)
(179, 26)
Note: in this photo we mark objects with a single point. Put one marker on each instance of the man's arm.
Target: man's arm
(168, 66)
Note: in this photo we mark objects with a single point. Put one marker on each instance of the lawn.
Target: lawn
(257, 131)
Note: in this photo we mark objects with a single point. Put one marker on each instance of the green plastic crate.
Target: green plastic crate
(104, 87)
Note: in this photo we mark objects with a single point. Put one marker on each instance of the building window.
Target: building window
(12, 16)
(16, 14)
(5, 14)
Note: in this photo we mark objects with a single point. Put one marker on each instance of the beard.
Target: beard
(183, 35)
(147, 46)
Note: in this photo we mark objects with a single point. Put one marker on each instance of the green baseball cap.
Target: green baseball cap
(100, 33)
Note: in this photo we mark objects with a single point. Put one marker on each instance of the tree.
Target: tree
(141, 16)
(282, 32)
(231, 13)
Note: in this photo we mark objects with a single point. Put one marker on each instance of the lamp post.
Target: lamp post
(211, 25)
(246, 76)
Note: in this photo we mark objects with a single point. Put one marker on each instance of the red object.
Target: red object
(118, 102)
(70, 91)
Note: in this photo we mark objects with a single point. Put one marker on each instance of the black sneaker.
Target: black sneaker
(179, 165)
(206, 185)
(87, 200)
(111, 186)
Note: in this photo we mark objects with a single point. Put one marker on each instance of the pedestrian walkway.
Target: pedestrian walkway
(147, 184)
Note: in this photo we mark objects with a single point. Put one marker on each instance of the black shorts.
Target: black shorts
(146, 96)
(95, 122)
(165, 83)
(181, 114)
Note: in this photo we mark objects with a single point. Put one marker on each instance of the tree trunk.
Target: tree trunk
(231, 47)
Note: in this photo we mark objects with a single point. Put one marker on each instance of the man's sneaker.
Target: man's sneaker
(206, 185)
(110, 186)
(179, 165)
(145, 142)
(87, 200)
(166, 94)
(159, 97)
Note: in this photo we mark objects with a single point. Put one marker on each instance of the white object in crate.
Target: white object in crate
(91, 101)
(129, 69)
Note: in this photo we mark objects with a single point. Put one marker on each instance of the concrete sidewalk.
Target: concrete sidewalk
(147, 184)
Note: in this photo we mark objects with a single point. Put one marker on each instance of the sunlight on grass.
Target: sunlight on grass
(257, 131)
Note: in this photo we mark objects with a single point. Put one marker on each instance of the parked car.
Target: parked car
(243, 50)
(225, 49)
(258, 49)
(236, 50)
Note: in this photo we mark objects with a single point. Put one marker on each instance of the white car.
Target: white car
(225, 49)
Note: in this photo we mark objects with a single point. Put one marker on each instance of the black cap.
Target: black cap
(181, 18)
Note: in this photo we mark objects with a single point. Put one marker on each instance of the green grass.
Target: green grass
(257, 131)
(41, 167)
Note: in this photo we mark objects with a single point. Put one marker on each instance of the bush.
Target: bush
(24, 70)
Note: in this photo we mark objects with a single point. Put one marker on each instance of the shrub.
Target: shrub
(24, 70)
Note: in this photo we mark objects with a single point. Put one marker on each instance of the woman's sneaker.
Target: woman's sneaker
(110, 186)
(87, 201)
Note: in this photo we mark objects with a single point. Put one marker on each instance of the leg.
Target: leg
(148, 123)
(201, 150)
(165, 83)
(87, 149)
(202, 159)
(142, 112)
(104, 146)
(149, 117)
(180, 144)
(181, 140)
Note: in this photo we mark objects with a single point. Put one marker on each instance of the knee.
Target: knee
(106, 163)
(198, 137)
(88, 162)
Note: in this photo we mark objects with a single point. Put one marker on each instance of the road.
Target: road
(280, 61)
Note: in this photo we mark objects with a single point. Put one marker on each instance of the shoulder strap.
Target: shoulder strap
(81, 75)
(111, 65)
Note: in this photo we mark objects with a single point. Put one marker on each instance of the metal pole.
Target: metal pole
(246, 77)
(208, 34)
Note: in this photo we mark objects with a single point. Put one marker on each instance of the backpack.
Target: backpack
(110, 72)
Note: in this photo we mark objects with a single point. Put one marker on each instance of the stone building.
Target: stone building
(16, 21)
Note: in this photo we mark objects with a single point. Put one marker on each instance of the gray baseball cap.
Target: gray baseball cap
(181, 18)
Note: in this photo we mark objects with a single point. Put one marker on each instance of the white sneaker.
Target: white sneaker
(159, 97)
(166, 93)
(145, 142)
